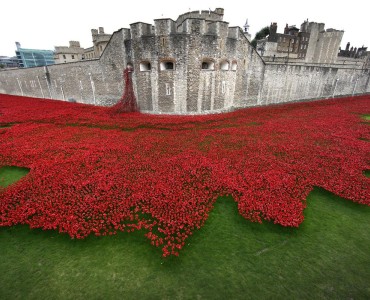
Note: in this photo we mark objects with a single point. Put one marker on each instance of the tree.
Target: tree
(265, 31)
(2, 66)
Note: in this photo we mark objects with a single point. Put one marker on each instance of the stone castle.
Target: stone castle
(65, 54)
(194, 65)
(311, 43)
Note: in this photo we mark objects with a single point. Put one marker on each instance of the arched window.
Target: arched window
(145, 66)
(208, 64)
(224, 65)
(167, 65)
(234, 66)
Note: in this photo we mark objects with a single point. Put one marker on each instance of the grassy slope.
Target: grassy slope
(327, 257)
(9, 175)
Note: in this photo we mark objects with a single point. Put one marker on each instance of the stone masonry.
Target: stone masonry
(194, 65)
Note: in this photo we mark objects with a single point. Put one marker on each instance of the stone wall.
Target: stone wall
(323, 45)
(93, 82)
(285, 83)
(193, 66)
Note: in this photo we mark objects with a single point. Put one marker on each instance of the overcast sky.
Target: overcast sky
(43, 24)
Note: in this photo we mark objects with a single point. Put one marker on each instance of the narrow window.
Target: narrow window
(163, 41)
(167, 65)
(145, 66)
(223, 87)
(64, 56)
(208, 65)
(73, 57)
(224, 65)
(234, 66)
(168, 89)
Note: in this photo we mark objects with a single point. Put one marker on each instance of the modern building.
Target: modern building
(8, 62)
(28, 58)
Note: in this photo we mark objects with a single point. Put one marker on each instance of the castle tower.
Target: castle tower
(246, 27)
(246, 31)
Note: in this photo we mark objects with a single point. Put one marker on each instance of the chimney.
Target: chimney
(101, 30)
(18, 44)
(286, 29)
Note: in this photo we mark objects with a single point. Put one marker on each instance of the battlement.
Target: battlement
(164, 27)
(196, 65)
(140, 29)
(74, 47)
(75, 44)
(208, 15)
(167, 27)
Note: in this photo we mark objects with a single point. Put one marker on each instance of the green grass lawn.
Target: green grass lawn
(328, 257)
(11, 174)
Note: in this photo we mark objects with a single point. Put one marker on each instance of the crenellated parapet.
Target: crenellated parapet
(140, 29)
(207, 15)
(194, 65)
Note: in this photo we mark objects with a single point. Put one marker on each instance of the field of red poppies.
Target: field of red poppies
(95, 172)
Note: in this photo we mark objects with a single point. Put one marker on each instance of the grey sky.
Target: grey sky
(43, 24)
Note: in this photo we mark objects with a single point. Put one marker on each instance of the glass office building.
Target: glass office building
(8, 62)
(28, 58)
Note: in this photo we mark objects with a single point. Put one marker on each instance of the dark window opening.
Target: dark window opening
(167, 65)
(145, 66)
(208, 65)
